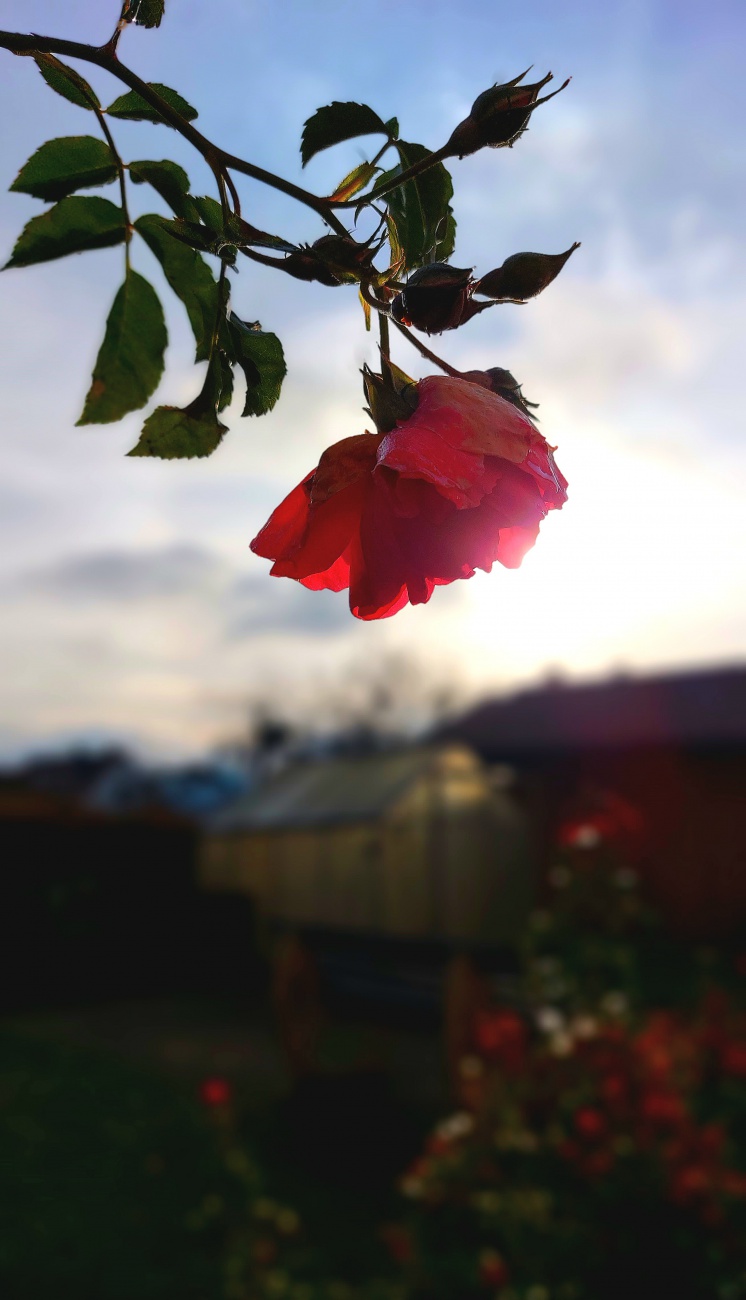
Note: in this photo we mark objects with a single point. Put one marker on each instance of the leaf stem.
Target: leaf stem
(104, 57)
(122, 180)
(425, 352)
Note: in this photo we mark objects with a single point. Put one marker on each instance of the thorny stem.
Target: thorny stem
(104, 57)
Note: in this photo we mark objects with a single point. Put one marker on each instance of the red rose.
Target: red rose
(734, 1060)
(215, 1092)
(465, 481)
(663, 1108)
(589, 1123)
(501, 1036)
(493, 1271)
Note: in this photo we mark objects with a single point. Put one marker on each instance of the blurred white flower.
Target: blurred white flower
(614, 1004)
(549, 1020)
(561, 1044)
(455, 1126)
(586, 837)
(584, 1027)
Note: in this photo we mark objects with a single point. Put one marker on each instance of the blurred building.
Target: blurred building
(411, 843)
(673, 747)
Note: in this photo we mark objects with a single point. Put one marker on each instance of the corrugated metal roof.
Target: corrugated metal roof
(328, 792)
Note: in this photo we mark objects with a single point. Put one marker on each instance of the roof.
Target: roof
(328, 792)
(693, 710)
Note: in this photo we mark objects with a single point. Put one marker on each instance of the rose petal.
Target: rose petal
(329, 529)
(343, 463)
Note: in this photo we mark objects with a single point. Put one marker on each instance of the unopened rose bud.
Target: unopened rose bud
(523, 275)
(343, 256)
(304, 266)
(505, 385)
(498, 116)
(331, 260)
(435, 298)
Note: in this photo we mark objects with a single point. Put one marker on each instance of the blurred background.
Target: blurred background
(281, 891)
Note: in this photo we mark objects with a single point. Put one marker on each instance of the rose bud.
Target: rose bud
(435, 298)
(391, 397)
(343, 256)
(498, 116)
(523, 275)
(505, 385)
(304, 266)
(463, 482)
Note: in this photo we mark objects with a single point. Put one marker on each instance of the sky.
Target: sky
(132, 607)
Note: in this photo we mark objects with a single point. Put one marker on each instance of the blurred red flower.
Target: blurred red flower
(465, 481)
(493, 1271)
(501, 1036)
(215, 1092)
(733, 1060)
(589, 1123)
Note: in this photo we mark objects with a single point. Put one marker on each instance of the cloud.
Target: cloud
(125, 577)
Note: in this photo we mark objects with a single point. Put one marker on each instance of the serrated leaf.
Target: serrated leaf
(72, 226)
(192, 234)
(190, 278)
(211, 213)
(170, 433)
(133, 108)
(170, 181)
(354, 182)
(66, 81)
(262, 360)
(337, 122)
(225, 380)
(420, 209)
(392, 127)
(129, 365)
(62, 166)
(147, 13)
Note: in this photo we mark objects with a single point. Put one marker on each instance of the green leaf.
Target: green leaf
(71, 226)
(130, 362)
(148, 13)
(169, 180)
(354, 182)
(133, 108)
(225, 380)
(66, 81)
(170, 433)
(262, 360)
(190, 278)
(60, 167)
(420, 209)
(211, 213)
(392, 128)
(337, 122)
